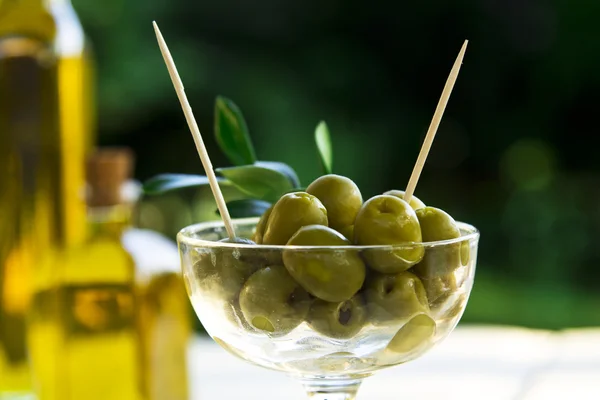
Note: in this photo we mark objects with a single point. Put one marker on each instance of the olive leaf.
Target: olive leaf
(323, 141)
(246, 208)
(166, 182)
(232, 134)
(283, 168)
(258, 181)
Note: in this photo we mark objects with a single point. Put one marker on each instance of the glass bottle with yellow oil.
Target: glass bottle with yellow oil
(46, 124)
(88, 343)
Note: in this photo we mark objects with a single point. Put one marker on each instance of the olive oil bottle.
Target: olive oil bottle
(45, 132)
(97, 297)
(85, 334)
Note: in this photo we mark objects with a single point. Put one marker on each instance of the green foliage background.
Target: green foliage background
(516, 154)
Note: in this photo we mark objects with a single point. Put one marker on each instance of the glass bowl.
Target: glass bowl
(251, 305)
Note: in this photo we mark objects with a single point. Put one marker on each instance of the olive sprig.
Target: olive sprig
(261, 182)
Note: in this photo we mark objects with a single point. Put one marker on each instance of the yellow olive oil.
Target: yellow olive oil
(100, 354)
(45, 131)
(29, 161)
(84, 333)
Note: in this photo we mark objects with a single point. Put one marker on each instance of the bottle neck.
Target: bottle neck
(108, 222)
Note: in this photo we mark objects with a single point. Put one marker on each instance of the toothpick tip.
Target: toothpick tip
(435, 122)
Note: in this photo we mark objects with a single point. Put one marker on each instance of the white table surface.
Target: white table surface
(475, 362)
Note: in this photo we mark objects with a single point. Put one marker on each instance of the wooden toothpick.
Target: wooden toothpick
(435, 123)
(189, 116)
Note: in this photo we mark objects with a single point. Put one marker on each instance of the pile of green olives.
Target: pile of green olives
(341, 289)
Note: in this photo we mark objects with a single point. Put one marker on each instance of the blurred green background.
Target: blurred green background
(516, 153)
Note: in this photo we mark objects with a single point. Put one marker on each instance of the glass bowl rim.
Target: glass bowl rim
(185, 236)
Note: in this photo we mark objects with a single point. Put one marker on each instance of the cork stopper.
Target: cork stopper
(108, 169)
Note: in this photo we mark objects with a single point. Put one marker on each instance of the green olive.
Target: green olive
(388, 220)
(262, 225)
(414, 202)
(270, 256)
(395, 298)
(348, 232)
(438, 287)
(436, 270)
(436, 224)
(330, 275)
(453, 307)
(340, 196)
(416, 332)
(272, 302)
(415, 336)
(465, 252)
(338, 320)
(290, 213)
